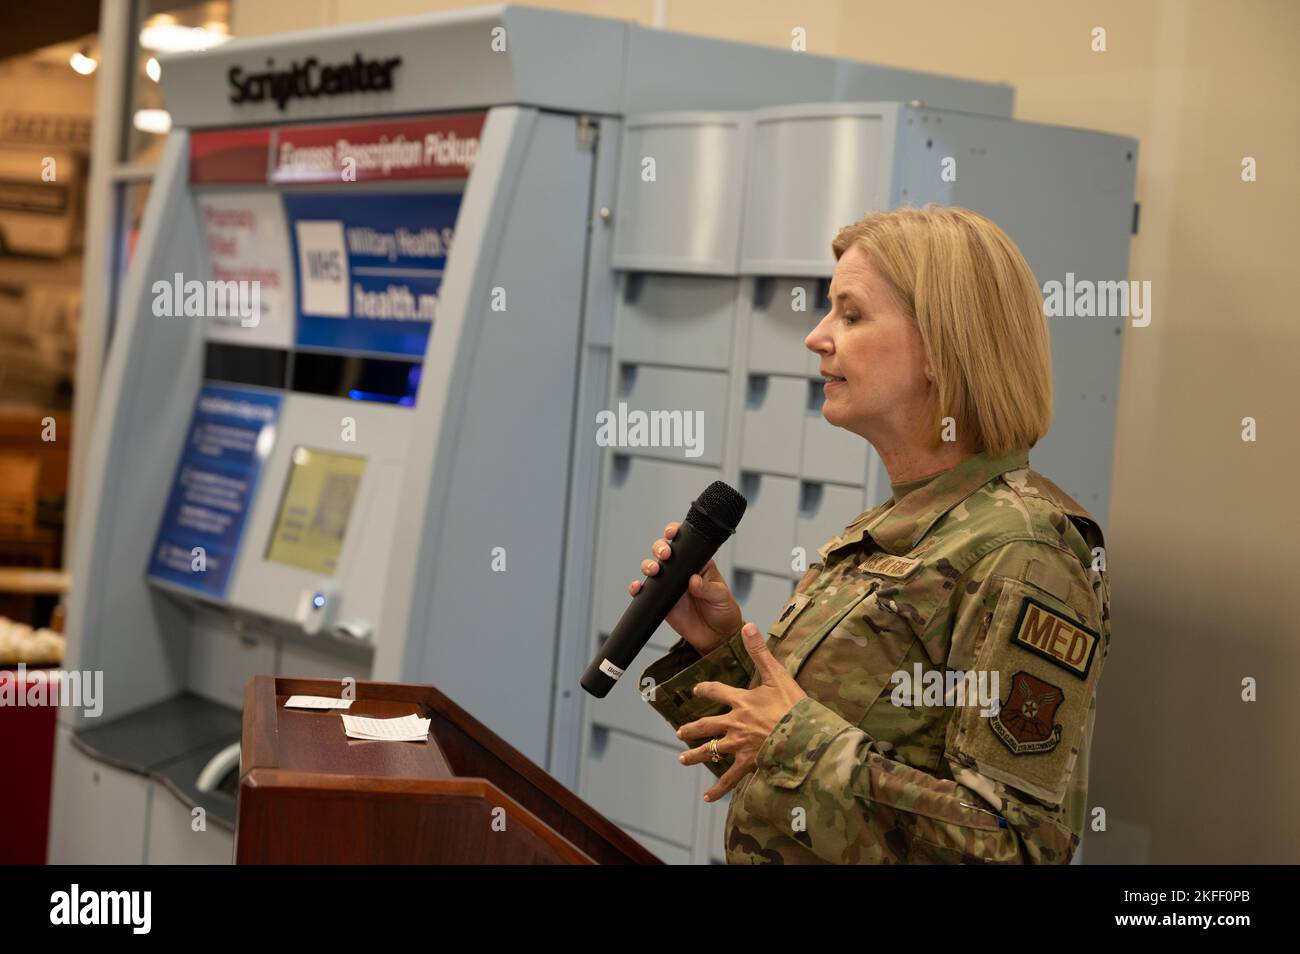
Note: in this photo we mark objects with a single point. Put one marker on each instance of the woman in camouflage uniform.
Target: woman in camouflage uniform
(856, 732)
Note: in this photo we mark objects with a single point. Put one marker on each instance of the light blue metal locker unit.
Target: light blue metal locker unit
(739, 215)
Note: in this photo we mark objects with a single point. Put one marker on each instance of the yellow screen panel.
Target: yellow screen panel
(315, 510)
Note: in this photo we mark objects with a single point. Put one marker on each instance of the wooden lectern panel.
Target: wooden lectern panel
(310, 795)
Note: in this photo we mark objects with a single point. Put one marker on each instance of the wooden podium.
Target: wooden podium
(310, 795)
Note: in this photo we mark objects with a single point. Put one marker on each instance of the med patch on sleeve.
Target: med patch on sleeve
(1041, 653)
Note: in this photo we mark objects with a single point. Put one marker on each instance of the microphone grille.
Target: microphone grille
(723, 503)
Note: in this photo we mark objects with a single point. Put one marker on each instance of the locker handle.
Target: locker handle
(810, 498)
(620, 465)
(815, 396)
(626, 378)
(742, 583)
(633, 286)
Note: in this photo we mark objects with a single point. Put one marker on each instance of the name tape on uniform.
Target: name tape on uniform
(886, 564)
(1059, 640)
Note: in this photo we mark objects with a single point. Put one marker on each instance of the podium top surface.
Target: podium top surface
(314, 740)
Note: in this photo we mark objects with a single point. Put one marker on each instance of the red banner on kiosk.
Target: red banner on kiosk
(230, 156)
(434, 147)
(440, 147)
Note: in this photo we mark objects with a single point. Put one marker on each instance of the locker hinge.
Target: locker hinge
(1137, 209)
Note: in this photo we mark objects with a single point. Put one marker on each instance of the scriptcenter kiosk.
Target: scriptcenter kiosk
(470, 234)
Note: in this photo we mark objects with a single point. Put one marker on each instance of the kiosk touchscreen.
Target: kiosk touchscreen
(314, 512)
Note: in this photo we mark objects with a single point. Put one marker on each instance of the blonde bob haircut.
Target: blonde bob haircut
(977, 305)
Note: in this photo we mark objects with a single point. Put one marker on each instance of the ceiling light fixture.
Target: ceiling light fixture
(82, 63)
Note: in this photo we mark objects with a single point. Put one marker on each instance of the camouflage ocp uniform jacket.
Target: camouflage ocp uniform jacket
(985, 570)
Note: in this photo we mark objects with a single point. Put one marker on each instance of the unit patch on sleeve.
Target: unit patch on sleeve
(1024, 723)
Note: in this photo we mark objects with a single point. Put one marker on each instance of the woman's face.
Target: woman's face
(871, 356)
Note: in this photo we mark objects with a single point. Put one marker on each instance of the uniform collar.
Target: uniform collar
(901, 527)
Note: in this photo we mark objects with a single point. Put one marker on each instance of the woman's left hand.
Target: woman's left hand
(754, 714)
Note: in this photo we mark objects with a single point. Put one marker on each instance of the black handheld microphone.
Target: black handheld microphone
(712, 518)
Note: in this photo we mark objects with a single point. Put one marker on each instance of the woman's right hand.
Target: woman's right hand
(707, 614)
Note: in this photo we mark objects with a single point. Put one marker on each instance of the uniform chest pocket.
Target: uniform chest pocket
(850, 667)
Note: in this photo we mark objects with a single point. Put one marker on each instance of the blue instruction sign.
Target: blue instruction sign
(231, 434)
